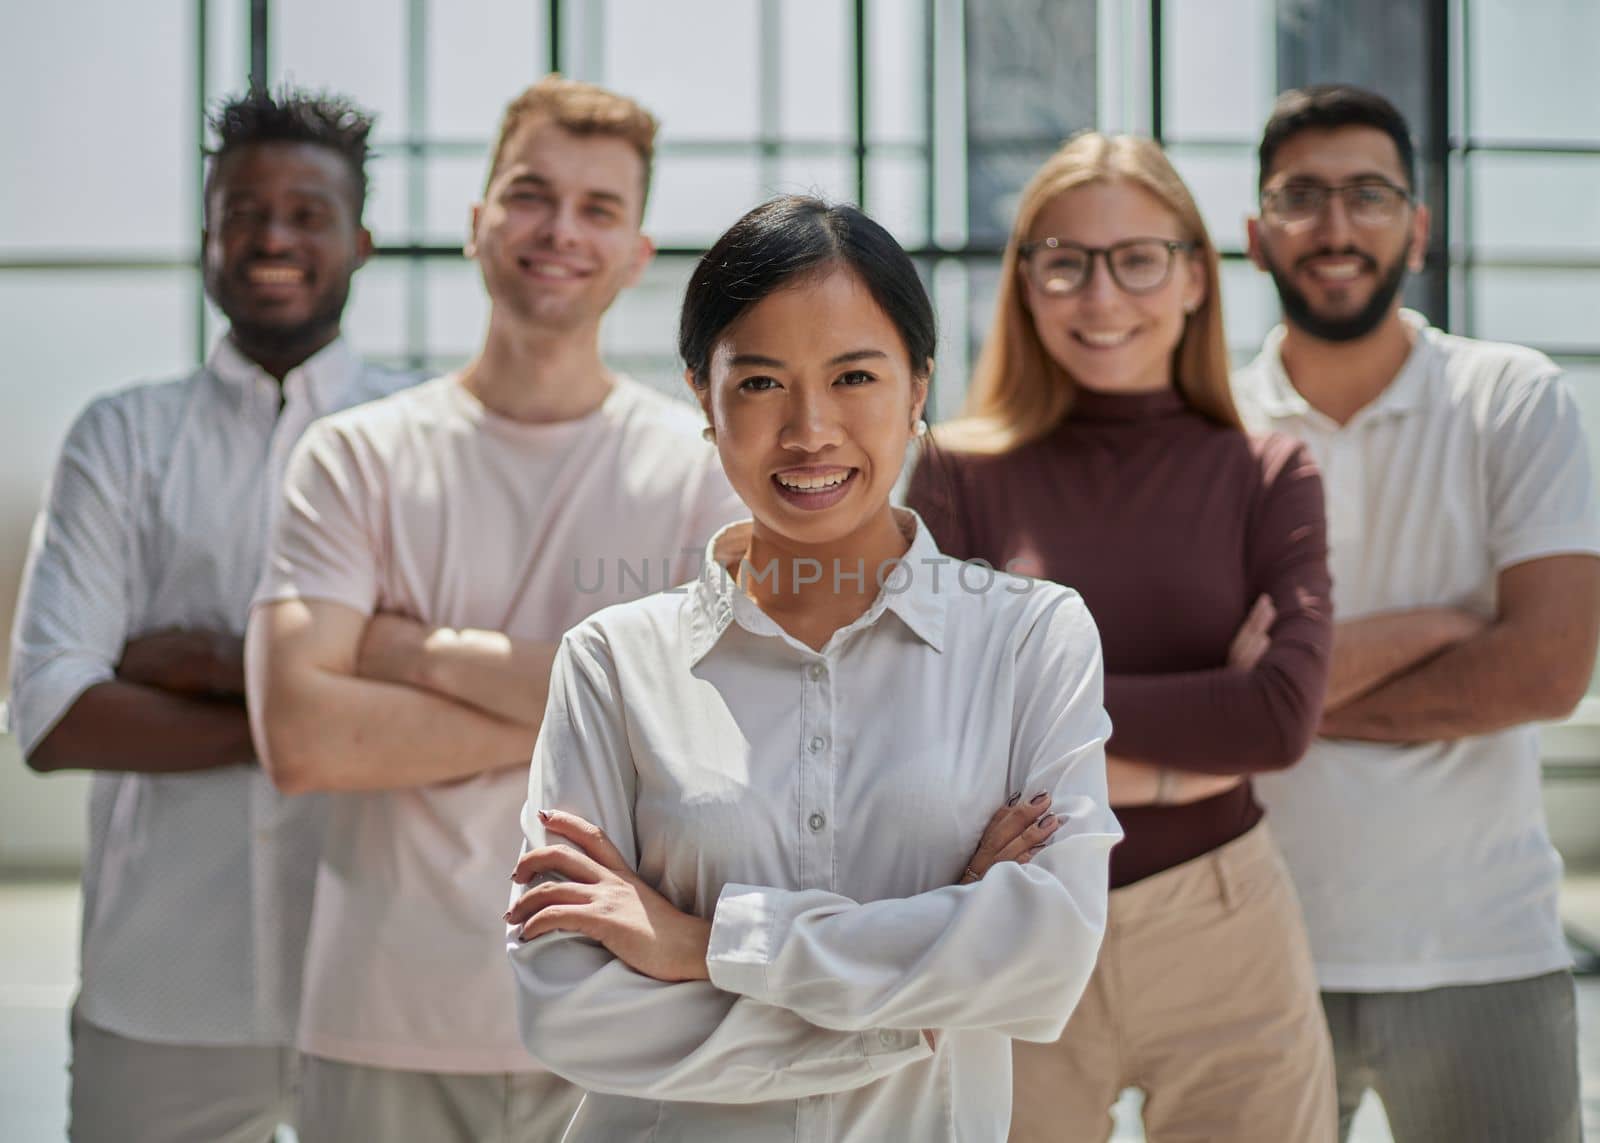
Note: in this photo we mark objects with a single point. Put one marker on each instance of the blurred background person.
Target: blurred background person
(1100, 449)
(431, 550)
(128, 651)
(1464, 537)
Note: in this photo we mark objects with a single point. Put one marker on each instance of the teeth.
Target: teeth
(551, 270)
(803, 483)
(1338, 271)
(1105, 340)
(276, 275)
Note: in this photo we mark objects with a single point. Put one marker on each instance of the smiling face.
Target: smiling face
(557, 235)
(813, 398)
(283, 237)
(1106, 338)
(1337, 279)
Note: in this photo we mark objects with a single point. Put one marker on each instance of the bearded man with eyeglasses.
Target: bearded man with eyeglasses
(1463, 538)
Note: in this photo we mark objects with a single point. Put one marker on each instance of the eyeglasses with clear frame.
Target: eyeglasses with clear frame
(1371, 203)
(1137, 265)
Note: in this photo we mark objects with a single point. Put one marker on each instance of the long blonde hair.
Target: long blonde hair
(1018, 392)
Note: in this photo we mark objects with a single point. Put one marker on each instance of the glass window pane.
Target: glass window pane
(897, 70)
(99, 143)
(1219, 70)
(897, 196)
(453, 185)
(1527, 203)
(699, 85)
(640, 334)
(817, 70)
(376, 319)
(227, 49)
(480, 54)
(1546, 309)
(356, 48)
(695, 198)
(1224, 186)
(457, 309)
(1532, 76)
(71, 335)
(832, 177)
(386, 214)
(1249, 307)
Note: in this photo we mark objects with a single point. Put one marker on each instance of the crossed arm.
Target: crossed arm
(341, 702)
(1433, 674)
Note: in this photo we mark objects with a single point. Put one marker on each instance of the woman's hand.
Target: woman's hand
(1253, 638)
(1131, 783)
(607, 902)
(1016, 832)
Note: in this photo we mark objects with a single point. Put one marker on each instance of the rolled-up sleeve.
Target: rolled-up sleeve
(1011, 953)
(73, 615)
(593, 1020)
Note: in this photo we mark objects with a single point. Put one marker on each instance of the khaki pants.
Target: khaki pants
(135, 1091)
(1204, 998)
(350, 1103)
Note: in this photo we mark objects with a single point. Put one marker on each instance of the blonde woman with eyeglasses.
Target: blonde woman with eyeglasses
(1100, 448)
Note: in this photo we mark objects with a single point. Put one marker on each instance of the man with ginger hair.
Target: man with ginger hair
(424, 563)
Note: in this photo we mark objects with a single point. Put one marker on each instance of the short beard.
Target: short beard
(1297, 309)
(290, 341)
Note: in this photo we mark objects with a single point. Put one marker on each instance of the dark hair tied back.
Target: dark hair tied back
(779, 243)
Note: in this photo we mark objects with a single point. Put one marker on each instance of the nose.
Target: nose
(1100, 290)
(274, 236)
(561, 225)
(1333, 226)
(811, 423)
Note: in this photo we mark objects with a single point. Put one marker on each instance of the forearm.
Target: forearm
(122, 726)
(322, 730)
(1374, 649)
(1479, 686)
(505, 677)
(1133, 783)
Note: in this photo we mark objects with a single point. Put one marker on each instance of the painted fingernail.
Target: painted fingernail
(1039, 798)
(506, 916)
(544, 815)
(1049, 821)
(1014, 798)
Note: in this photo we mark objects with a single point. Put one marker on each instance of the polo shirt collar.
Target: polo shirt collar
(321, 378)
(916, 591)
(1407, 392)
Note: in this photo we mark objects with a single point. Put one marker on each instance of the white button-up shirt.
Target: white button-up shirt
(820, 807)
(1428, 864)
(197, 886)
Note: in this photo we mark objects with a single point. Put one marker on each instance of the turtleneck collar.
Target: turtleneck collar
(1091, 405)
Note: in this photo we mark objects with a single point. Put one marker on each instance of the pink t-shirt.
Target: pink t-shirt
(428, 504)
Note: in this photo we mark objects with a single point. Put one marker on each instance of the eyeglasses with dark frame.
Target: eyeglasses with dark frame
(1137, 265)
(1369, 202)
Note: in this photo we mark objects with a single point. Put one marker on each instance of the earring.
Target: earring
(920, 428)
(708, 434)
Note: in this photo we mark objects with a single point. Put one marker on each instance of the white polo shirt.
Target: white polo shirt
(196, 886)
(432, 505)
(1424, 865)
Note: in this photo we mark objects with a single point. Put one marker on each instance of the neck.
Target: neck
(538, 376)
(277, 356)
(1340, 378)
(813, 611)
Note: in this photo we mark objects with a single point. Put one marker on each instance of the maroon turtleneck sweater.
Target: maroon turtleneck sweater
(1170, 526)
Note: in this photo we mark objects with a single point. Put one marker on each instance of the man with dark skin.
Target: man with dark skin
(128, 651)
(1463, 541)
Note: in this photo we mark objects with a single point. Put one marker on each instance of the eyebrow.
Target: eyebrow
(528, 179)
(842, 359)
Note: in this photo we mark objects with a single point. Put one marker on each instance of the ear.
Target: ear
(643, 252)
(1252, 242)
(474, 216)
(1421, 230)
(1194, 289)
(920, 385)
(363, 246)
(702, 396)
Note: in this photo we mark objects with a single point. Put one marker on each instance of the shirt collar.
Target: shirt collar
(1408, 391)
(322, 377)
(915, 591)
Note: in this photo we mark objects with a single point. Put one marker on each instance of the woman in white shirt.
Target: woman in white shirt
(757, 910)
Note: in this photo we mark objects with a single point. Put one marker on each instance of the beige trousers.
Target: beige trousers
(350, 1103)
(1205, 999)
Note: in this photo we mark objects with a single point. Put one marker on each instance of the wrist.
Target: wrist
(429, 658)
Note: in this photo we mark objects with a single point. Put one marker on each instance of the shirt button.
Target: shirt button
(816, 822)
(815, 671)
(886, 1038)
(817, 743)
